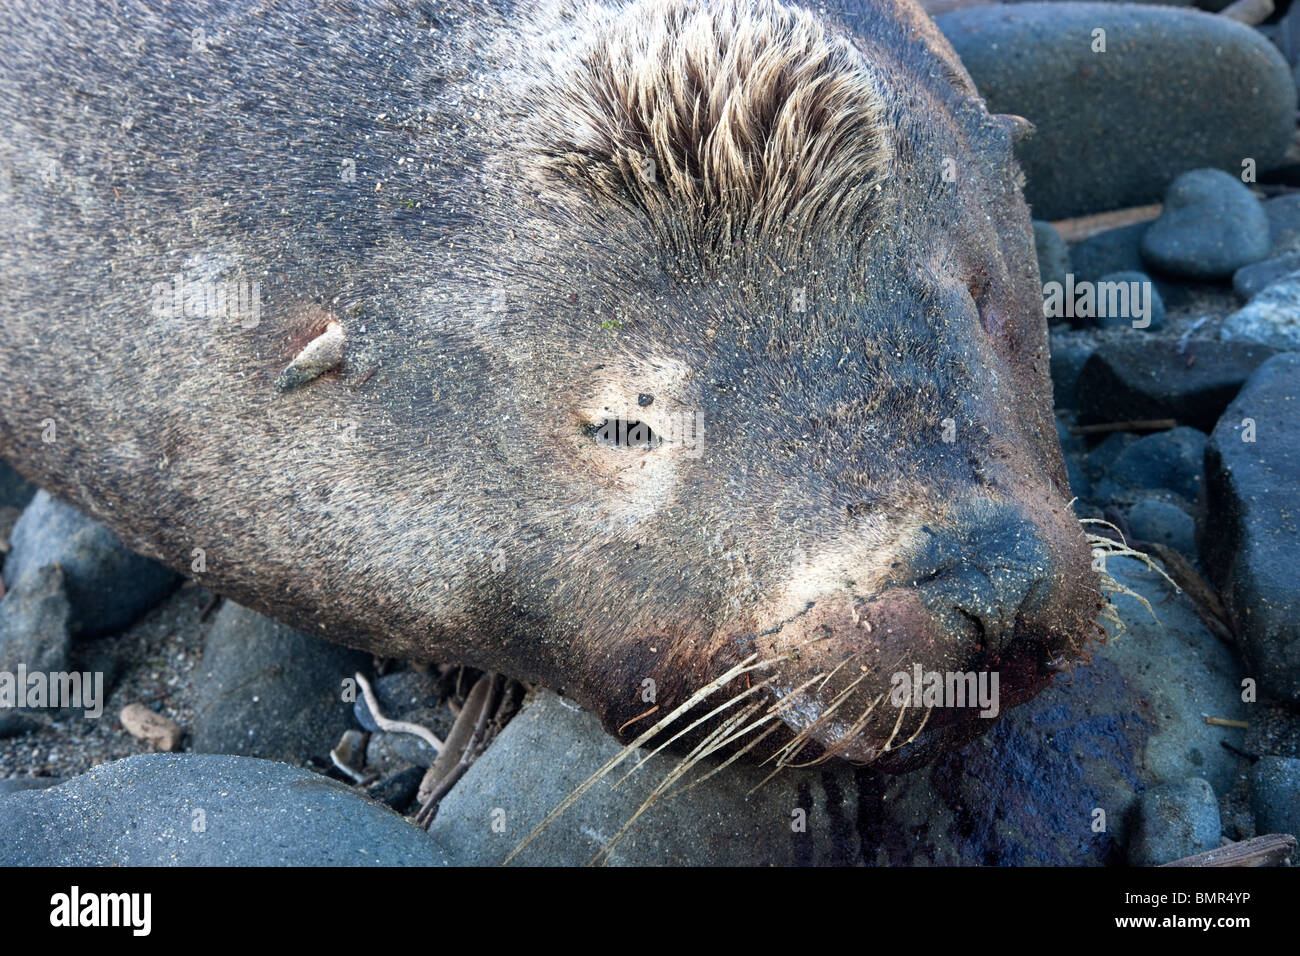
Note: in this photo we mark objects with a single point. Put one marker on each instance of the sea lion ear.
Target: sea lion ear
(1017, 127)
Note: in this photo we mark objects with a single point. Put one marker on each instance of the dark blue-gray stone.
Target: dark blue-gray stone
(1271, 318)
(1125, 315)
(108, 586)
(1053, 256)
(1249, 281)
(1146, 377)
(1115, 250)
(267, 690)
(34, 623)
(1174, 820)
(1250, 532)
(1212, 225)
(1162, 522)
(1068, 356)
(15, 490)
(1275, 795)
(205, 810)
(1169, 460)
(10, 785)
(1283, 214)
(1175, 90)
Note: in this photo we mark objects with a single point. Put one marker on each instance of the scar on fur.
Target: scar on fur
(322, 354)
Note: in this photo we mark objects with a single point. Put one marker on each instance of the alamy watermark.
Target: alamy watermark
(24, 689)
(208, 299)
(1100, 300)
(922, 688)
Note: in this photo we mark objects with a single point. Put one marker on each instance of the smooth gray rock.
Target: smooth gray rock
(389, 753)
(398, 790)
(34, 623)
(1072, 449)
(1249, 281)
(1162, 522)
(1271, 318)
(1173, 821)
(1175, 90)
(1068, 356)
(1283, 214)
(1104, 453)
(1169, 460)
(1250, 533)
(205, 810)
(1115, 250)
(108, 586)
(1180, 672)
(10, 785)
(1211, 226)
(1124, 318)
(551, 747)
(1275, 795)
(1147, 377)
(266, 690)
(1028, 791)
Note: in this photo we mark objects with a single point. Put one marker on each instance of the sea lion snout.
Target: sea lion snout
(986, 571)
(966, 624)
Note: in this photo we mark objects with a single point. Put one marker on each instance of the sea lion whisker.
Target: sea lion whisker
(695, 723)
(744, 667)
(788, 700)
(897, 723)
(737, 755)
(771, 715)
(920, 727)
(833, 671)
(628, 723)
(830, 709)
(683, 767)
(794, 748)
(833, 706)
(845, 738)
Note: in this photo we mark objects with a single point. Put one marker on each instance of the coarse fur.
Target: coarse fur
(773, 137)
(797, 227)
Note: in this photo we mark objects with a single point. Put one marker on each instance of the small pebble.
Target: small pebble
(162, 733)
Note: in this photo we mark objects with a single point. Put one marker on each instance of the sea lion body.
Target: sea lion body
(338, 307)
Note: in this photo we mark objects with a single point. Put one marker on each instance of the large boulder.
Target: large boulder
(205, 810)
(1174, 90)
(1250, 536)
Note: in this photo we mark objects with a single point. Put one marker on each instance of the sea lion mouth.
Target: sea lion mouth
(979, 618)
(926, 690)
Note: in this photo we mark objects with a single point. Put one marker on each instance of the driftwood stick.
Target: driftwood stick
(1081, 227)
(1273, 849)
(1136, 425)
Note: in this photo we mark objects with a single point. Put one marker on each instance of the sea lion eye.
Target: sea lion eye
(623, 433)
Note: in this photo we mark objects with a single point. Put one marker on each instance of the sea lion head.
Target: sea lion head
(779, 368)
(671, 335)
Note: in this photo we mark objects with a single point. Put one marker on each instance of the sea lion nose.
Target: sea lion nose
(986, 568)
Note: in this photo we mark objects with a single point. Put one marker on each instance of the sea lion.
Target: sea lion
(606, 345)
